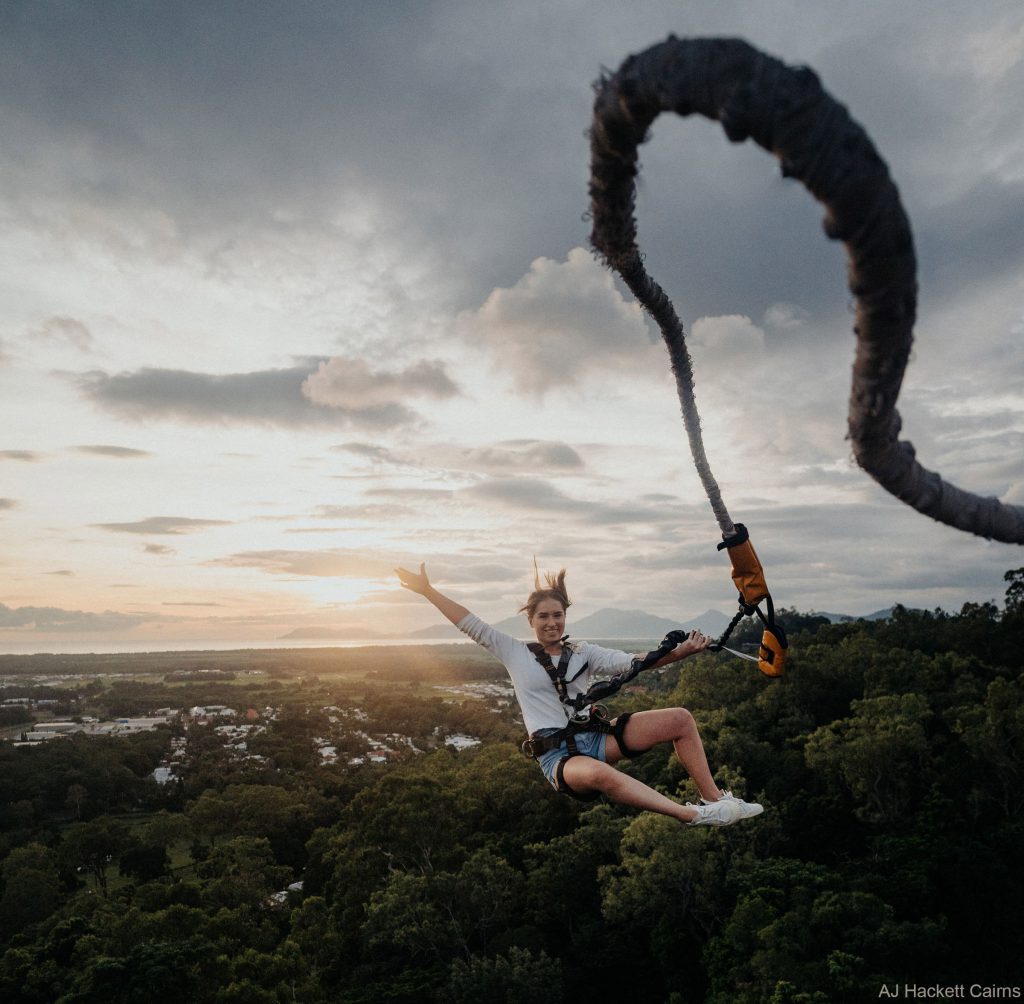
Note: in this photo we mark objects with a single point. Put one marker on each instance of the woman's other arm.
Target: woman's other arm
(695, 642)
(418, 582)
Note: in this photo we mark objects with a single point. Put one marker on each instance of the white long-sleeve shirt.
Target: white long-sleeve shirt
(536, 694)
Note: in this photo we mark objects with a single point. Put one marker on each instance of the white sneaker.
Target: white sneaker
(746, 809)
(720, 813)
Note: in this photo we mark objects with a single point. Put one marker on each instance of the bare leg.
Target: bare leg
(676, 725)
(584, 774)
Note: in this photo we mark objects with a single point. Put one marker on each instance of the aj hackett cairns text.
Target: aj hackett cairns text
(960, 991)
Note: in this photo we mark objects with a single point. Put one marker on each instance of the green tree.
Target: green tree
(518, 977)
(76, 798)
(994, 734)
(94, 846)
(880, 755)
(285, 817)
(144, 861)
(1014, 592)
(31, 887)
(242, 872)
(444, 913)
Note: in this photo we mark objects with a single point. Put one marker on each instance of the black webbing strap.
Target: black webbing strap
(587, 715)
(536, 746)
(557, 673)
(603, 688)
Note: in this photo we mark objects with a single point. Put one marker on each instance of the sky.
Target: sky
(293, 294)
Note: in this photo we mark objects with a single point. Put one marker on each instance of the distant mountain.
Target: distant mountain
(881, 615)
(878, 615)
(613, 623)
(444, 630)
(606, 623)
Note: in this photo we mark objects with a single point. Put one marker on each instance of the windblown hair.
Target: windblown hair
(555, 591)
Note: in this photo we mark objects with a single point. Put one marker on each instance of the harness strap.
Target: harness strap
(536, 746)
(557, 673)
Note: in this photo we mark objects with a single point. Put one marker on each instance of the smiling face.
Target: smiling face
(548, 621)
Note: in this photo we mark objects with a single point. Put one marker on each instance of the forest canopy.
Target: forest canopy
(889, 760)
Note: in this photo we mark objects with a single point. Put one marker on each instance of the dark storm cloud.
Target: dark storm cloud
(268, 397)
(975, 238)
(464, 124)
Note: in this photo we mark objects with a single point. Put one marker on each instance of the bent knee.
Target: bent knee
(683, 722)
(584, 773)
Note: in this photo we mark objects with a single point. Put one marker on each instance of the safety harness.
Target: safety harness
(748, 577)
(584, 712)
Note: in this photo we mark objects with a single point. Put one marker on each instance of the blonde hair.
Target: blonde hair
(555, 590)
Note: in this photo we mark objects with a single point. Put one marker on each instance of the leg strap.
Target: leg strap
(619, 732)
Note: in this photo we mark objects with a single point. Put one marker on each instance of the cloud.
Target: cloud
(523, 494)
(55, 619)
(785, 317)
(505, 455)
(524, 454)
(421, 496)
(379, 514)
(158, 549)
(268, 397)
(350, 384)
(26, 456)
(162, 525)
(8, 504)
(560, 323)
(369, 451)
(65, 331)
(332, 564)
(117, 452)
(731, 340)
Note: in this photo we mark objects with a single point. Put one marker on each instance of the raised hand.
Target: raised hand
(415, 581)
(696, 642)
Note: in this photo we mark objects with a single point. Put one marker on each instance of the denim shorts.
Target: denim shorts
(590, 744)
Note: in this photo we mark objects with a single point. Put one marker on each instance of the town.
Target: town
(348, 725)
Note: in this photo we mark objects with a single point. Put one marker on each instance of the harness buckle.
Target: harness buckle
(591, 713)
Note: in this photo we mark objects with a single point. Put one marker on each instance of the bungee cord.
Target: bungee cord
(785, 110)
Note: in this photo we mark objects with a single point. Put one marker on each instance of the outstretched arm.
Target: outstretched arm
(418, 582)
(695, 642)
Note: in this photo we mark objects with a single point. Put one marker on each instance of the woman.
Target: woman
(582, 764)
